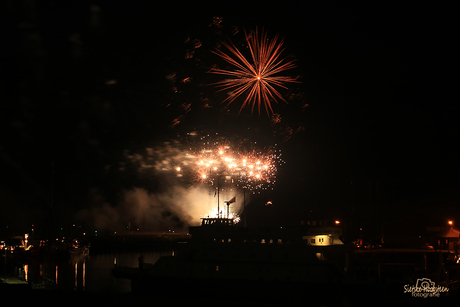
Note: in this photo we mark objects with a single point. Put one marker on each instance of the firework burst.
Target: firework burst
(211, 166)
(249, 169)
(257, 78)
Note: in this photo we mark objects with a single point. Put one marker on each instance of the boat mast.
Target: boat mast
(218, 191)
(244, 206)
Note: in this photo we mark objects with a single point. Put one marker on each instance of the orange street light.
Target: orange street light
(337, 222)
(450, 222)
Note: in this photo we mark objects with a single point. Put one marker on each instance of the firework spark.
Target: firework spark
(209, 160)
(259, 78)
(253, 170)
(212, 167)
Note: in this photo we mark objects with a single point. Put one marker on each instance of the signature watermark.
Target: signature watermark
(425, 288)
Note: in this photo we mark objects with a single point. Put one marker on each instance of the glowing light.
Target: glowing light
(337, 222)
(450, 222)
(76, 274)
(84, 274)
(26, 272)
(210, 166)
(259, 77)
(232, 215)
(253, 169)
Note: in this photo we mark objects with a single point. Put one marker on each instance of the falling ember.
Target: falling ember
(259, 78)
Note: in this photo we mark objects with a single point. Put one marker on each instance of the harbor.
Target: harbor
(230, 154)
(220, 261)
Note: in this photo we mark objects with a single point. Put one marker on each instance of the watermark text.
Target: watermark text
(425, 288)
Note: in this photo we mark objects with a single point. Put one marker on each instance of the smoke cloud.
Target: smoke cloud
(176, 202)
(175, 209)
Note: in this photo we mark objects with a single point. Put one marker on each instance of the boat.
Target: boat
(273, 265)
(223, 261)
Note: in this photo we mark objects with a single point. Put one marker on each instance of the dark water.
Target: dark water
(88, 279)
(91, 277)
(90, 274)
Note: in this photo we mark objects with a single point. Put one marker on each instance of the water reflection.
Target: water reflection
(84, 274)
(26, 272)
(76, 275)
(90, 273)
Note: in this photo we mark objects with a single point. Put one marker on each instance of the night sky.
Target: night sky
(371, 129)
